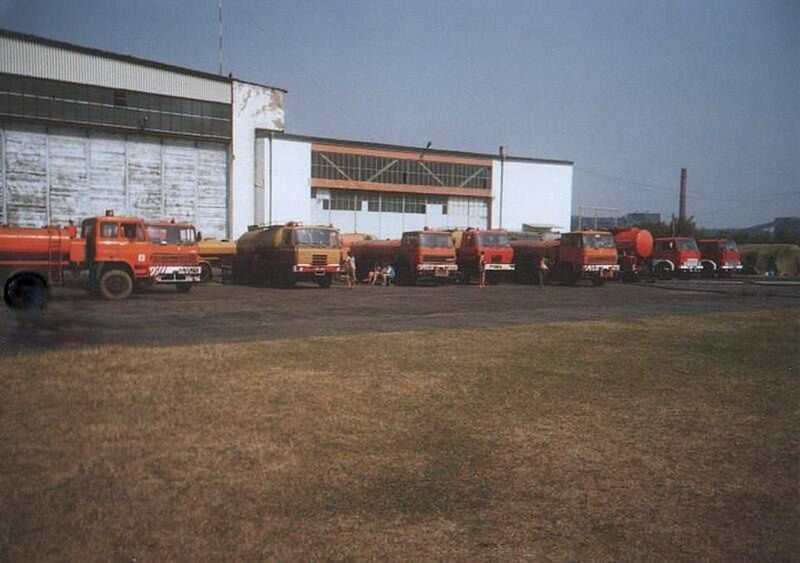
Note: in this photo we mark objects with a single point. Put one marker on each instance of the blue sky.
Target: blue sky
(630, 90)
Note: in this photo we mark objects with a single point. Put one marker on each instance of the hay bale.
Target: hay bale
(757, 258)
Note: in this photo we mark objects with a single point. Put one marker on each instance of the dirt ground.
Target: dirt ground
(215, 313)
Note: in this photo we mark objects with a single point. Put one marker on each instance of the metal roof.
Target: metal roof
(29, 55)
(372, 145)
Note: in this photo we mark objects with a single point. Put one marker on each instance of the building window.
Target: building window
(414, 204)
(388, 170)
(65, 102)
(392, 203)
(345, 200)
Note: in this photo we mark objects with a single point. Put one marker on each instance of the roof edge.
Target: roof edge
(126, 58)
(369, 144)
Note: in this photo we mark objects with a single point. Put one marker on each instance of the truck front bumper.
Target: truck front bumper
(601, 270)
(175, 274)
(437, 270)
(317, 270)
(499, 267)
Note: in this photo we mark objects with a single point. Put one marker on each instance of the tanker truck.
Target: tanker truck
(575, 256)
(111, 255)
(493, 244)
(418, 255)
(282, 255)
(634, 249)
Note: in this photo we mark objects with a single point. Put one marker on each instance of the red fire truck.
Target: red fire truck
(676, 256)
(111, 255)
(719, 257)
(493, 244)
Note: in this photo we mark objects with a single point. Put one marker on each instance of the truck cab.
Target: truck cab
(493, 244)
(587, 254)
(719, 257)
(285, 254)
(427, 254)
(676, 256)
(175, 258)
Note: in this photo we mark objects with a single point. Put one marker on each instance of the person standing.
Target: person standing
(482, 269)
(541, 271)
(350, 269)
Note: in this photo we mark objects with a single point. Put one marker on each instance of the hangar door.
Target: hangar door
(50, 175)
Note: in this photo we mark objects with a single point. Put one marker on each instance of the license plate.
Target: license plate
(440, 272)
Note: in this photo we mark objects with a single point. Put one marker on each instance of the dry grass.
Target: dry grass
(670, 438)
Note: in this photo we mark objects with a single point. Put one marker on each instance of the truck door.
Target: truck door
(134, 249)
(89, 234)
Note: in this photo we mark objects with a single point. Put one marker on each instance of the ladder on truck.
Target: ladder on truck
(55, 261)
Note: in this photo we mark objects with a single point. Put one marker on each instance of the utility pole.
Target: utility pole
(503, 156)
(682, 200)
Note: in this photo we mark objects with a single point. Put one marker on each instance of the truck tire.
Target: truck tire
(116, 285)
(325, 281)
(663, 271)
(183, 287)
(206, 273)
(25, 292)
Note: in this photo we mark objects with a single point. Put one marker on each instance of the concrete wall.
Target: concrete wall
(532, 192)
(286, 186)
(254, 107)
(50, 175)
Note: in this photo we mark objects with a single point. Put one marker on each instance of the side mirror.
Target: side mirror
(199, 236)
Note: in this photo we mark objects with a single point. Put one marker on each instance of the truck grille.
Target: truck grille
(497, 259)
(436, 259)
(319, 260)
(175, 259)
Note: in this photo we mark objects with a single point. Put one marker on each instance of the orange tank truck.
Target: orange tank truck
(575, 256)
(418, 255)
(111, 255)
(634, 249)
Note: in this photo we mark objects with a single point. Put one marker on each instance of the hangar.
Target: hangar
(84, 130)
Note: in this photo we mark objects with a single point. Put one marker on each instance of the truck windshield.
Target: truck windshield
(728, 245)
(316, 237)
(438, 240)
(493, 239)
(687, 244)
(171, 234)
(599, 241)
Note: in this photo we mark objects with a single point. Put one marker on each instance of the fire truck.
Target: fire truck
(575, 256)
(634, 249)
(418, 255)
(282, 255)
(493, 244)
(719, 257)
(676, 256)
(111, 255)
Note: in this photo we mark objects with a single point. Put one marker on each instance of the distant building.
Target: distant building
(631, 219)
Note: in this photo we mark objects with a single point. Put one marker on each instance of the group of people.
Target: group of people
(382, 274)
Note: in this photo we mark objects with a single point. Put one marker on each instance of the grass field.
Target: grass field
(660, 439)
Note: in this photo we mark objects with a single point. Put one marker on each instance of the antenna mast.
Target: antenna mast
(219, 5)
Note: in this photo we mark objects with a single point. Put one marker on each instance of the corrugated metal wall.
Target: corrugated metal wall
(28, 58)
(50, 175)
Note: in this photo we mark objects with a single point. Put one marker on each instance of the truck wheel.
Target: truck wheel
(116, 285)
(206, 273)
(663, 271)
(183, 287)
(25, 292)
(325, 281)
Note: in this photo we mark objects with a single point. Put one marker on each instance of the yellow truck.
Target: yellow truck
(282, 255)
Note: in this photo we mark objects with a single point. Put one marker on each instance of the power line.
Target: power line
(623, 182)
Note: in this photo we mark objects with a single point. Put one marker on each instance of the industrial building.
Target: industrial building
(84, 130)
